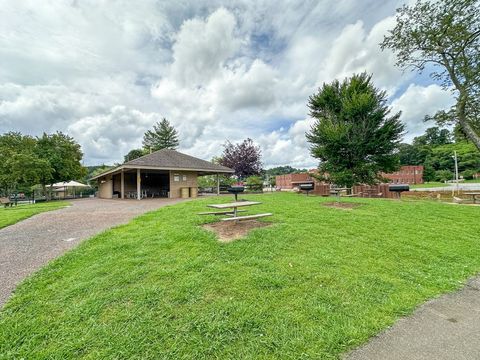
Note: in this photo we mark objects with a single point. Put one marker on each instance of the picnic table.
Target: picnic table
(473, 195)
(6, 202)
(231, 210)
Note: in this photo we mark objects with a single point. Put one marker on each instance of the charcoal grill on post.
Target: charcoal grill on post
(306, 187)
(236, 190)
(398, 188)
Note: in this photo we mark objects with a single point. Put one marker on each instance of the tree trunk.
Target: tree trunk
(45, 192)
(466, 127)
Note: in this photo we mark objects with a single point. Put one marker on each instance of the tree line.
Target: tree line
(26, 161)
(434, 150)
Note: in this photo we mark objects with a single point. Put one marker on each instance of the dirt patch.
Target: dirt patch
(342, 205)
(228, 231)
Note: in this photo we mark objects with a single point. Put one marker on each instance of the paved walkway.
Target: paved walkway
(28, 245)
(450, 187)
(441, 329)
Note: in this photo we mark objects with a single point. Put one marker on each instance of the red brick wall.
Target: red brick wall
(406, 175)
(290, 181)
(285, 181)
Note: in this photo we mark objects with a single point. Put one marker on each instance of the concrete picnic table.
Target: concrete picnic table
(234, 205)
(233, 213)
(473, 195)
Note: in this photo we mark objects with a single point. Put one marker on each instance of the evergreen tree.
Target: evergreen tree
(163, 136)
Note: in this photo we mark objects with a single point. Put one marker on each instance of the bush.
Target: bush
(208, 181)
(443, 175)
(254, 183)
(468, 174)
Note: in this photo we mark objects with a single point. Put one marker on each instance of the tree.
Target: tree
(443, 175)
(62, 157)
(254, 183)
(19, 164)
(134, 154)
(163, 136)
(443, 36)
(283, 170)
(244, 158)
(353, 136)
(434, 136)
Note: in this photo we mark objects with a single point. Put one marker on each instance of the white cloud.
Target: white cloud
(202, 48)
(418, 101)
(106, 71)
(117, 131)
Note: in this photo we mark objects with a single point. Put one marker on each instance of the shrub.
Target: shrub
(443, 175)
(254, 183)
(468, 174)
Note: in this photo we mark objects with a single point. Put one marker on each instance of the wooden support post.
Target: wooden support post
(218, 184)
(122, 185)
(139, 185)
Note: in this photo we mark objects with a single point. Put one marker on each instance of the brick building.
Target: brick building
(406, 175)
(290, 181)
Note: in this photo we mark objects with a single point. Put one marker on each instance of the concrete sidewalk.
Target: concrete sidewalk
(445, 328)
(28, 245)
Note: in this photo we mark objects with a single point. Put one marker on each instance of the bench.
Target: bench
(228, 212)
(5, 202)
(248, 217)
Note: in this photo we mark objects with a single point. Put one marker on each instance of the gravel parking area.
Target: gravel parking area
(28, 245)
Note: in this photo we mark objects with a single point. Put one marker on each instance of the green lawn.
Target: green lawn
(317, 283)
(431, 184)
(12, 215)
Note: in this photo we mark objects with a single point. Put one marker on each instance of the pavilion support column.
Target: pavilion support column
(122, 185)
(218, 184)
(139, 185)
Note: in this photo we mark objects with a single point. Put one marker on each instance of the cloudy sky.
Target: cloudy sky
(106, 71)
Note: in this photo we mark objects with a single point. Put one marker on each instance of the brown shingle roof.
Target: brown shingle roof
(171, 159)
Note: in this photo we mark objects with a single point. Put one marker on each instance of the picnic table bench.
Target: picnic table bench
(233, 211)
(6, 202)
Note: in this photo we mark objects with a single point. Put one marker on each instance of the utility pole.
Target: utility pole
(456, 168)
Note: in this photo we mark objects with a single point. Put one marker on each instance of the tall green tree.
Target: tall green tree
(163, 136)
(443, 38)
(354, 136)
(20, 166)
(62, 156)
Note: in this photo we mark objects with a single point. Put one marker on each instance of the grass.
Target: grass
(431, 184)
(317, 283)
(12, 215)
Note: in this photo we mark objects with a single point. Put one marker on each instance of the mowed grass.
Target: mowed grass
(12, 215)
(431, 184)
(317, 283)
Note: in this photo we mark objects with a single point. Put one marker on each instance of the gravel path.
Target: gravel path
(446, 328)
(28, 245)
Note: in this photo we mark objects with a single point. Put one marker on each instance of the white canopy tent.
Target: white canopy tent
(66, 185)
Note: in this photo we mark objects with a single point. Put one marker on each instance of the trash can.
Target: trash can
(193, 192)
(184, 192)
